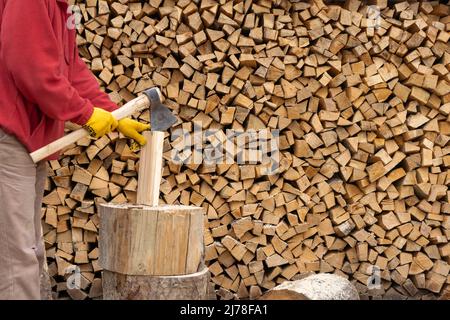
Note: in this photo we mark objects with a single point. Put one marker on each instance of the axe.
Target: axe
(161, 119)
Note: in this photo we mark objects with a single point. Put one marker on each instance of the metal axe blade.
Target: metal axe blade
(161, 118)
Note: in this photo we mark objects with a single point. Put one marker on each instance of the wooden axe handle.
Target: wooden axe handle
(140, 103)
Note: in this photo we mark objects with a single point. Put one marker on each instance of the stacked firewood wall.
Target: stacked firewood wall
(360, 95)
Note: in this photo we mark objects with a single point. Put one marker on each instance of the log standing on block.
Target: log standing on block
(149, 251)
(150, 171)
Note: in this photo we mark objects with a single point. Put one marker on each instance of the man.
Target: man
(43, 83)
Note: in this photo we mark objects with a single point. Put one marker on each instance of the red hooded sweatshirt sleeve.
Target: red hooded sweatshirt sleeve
(43, 81)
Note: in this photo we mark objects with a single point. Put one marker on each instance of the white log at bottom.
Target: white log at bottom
(194, 286)
(322, 286)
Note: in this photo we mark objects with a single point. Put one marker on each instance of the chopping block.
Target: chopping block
(150, 251)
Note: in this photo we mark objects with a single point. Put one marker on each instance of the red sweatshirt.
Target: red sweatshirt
(43, 81)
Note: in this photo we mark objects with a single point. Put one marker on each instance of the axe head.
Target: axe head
(161, 118)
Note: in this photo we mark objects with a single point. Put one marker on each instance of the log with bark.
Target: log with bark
(322, 286)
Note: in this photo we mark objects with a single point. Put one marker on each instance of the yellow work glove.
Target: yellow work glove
(131, 129)
(100, 123)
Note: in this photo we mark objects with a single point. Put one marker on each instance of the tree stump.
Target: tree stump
(322, 286)
(118, 286)
(145, 251)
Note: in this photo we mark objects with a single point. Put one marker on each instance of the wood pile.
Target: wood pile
(362, 102)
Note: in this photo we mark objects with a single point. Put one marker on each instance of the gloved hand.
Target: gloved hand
(100, 123)
(131, 129)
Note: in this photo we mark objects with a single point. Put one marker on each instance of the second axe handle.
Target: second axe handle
(150, 169)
